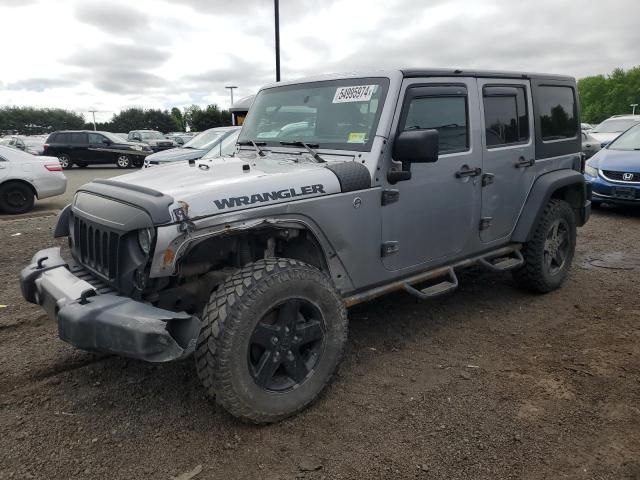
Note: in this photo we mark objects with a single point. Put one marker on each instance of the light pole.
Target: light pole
(231, 92)
(633, 105)
(93, 112)
(276, 7)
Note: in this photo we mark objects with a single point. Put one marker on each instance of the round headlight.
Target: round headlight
(145, 239)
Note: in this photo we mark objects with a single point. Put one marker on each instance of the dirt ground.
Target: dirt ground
(488, 382)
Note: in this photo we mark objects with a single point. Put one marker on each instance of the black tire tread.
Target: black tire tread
(223, 313)
(5, 208)
(530, 276)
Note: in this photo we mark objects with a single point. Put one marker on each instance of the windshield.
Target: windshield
(337, 114)
(224, 148)
(615, 125)
(629, 140)
(112, 136)
(205, 140)
(151, 136)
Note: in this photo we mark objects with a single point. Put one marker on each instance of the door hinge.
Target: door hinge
(390, 195)
(485, 222)
(389, 248)
(487, 179)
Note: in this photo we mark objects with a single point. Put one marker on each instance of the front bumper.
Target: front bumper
(620, 193)
(105, 322)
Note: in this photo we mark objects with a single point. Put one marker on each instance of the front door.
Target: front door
(437, 210)
(99, 150)
(508, 154)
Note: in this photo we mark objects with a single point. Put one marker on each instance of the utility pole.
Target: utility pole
(276, 6)
(633, 105)
(93, 112)
(231, 92)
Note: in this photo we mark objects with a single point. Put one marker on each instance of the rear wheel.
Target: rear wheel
(271, 338)
(65, 161)
(16, 197)
(122, 161)
(548, 255)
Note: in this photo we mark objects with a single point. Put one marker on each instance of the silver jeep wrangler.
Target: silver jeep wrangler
(343, 188)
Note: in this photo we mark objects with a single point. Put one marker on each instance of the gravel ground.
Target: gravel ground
(488, 382)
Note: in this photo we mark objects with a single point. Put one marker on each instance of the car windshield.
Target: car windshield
(335, 114)
(629, 140)
(112, 136)
(224, 148)
(151, 136)
(205, 140)
(615, 125)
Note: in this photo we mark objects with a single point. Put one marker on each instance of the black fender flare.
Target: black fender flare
(62, 224)
(548, 186)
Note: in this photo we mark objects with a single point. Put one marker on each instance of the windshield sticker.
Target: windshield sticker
(356, 137)
(356, 93)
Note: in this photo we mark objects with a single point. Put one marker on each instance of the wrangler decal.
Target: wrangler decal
(232, 202)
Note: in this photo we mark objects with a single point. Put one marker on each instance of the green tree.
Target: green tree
(603, 96)
(210, 117)
(178, 118)
(33, 121)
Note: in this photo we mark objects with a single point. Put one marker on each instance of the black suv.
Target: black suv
(86, 147)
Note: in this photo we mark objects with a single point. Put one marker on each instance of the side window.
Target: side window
(447, 114)
(506, 117)
(95, 139)
(63, 138)
(78, 137)
(557, 112)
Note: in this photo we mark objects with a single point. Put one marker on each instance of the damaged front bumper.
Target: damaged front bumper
(105, 322)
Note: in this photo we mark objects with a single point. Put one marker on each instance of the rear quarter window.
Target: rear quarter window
(557, 112)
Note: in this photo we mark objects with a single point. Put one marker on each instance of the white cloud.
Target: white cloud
(82, 54)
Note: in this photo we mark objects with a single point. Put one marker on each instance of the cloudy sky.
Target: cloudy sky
(111, 54)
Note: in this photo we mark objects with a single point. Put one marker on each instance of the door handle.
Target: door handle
(522, 163)
(465, 171)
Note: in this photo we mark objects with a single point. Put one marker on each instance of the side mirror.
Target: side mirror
(106, 141)
(137, 138)
(413, 146)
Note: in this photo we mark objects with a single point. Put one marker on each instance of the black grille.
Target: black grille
(619, 176)
(95, 247)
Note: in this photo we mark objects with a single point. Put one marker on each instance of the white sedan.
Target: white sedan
(23, 177)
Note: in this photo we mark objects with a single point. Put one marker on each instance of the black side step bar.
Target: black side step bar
(503, 263)
(436, 290)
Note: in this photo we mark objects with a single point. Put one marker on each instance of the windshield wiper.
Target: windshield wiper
(255, 145)
(308, 147)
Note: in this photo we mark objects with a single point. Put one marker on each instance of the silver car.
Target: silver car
(23, 177)
(590, 146)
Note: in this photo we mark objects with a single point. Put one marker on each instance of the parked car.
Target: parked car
(86, 147)
(220, 139)
(23, 177)
(614, 172)
(612, 127)
(585, 126)
(33, 145)
(590, 146)
(13, 142)
(154, 139)
(179, 138)
(250, 262)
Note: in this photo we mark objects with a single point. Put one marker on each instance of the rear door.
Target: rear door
(80, 147)
(508, 154)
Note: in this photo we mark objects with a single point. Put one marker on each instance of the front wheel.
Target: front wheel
(549, 252)
(271, 338)
(122, 161)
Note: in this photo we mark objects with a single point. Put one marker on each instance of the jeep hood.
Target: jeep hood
(221, 185)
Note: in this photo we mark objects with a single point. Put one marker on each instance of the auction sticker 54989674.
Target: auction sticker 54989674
(355, 93)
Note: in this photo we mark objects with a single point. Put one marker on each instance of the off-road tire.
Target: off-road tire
(15, 198)
(534, 275)
(65, 161)
(229, 319)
